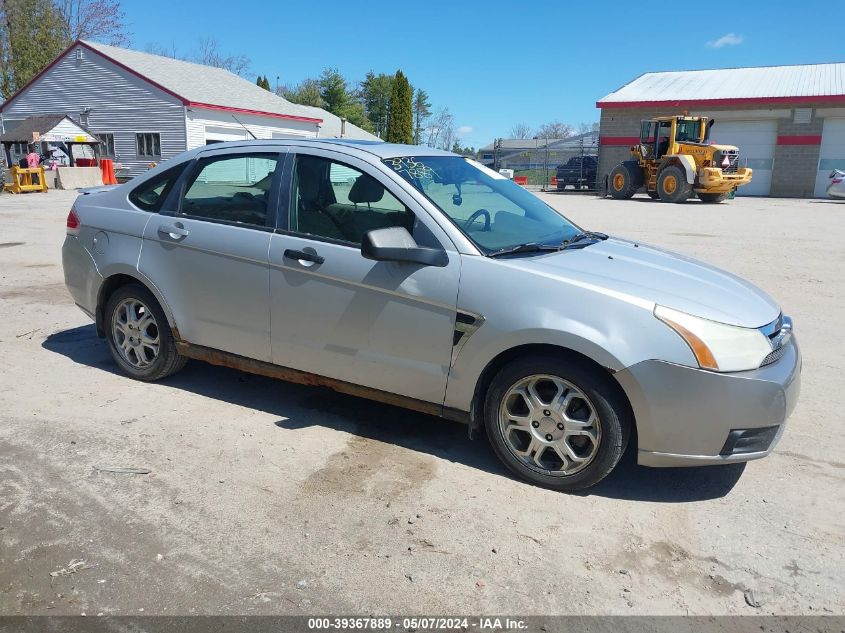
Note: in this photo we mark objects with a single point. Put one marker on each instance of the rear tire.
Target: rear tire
(624, 181)
(575, 411)
(139, 336)
(672, 185)
(712, 197)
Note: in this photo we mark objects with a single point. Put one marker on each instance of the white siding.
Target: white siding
(120, 103)
(831, 153)
(756, 142)
(204, 125)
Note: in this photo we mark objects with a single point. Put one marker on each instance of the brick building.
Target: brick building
(788, 121)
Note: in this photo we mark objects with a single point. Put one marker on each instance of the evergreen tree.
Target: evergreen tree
(422, 110)
(306, 92)
(334, 91)
(375, 95)
(400, 122)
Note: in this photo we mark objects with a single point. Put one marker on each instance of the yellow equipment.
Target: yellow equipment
(26, 180)
(674, 159)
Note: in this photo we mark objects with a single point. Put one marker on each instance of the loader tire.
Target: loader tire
(624, 181)
(713, 197)
(672, 185)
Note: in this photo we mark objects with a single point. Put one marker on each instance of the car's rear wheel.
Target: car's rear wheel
(556, 422)
(138, 334)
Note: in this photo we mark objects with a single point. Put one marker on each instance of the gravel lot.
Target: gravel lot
(266, 497)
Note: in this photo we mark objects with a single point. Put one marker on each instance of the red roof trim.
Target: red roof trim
(721, 102)
(800, 140)
(276, 115)
(618, 140)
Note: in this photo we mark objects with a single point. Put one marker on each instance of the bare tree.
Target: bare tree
(440, 132)
(101, 20)
(555, 129)
(209, 54)
(585, 128)
(521, 130)
(163, 51)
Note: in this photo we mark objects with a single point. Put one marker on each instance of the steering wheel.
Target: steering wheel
(475, 216)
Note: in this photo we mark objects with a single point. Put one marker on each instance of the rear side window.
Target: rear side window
(151, 195)
(231, 188)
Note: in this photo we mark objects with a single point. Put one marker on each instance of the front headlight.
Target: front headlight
(718, 346)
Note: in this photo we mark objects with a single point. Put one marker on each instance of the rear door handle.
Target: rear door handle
(304, 256)
(176, 231)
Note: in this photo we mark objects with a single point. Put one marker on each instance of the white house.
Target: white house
(146, 108)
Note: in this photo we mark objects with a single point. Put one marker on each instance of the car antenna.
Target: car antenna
(248, 131)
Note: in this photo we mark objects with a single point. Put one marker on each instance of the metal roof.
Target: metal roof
(529, 144)
(730, 86)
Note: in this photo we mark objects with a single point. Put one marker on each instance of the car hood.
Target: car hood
(641, 273)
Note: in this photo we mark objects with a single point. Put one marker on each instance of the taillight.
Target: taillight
(836, 181)
(72, 223)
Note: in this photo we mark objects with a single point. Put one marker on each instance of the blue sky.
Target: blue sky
(497, 63)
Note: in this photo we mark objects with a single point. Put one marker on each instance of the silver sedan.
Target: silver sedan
(423, 279)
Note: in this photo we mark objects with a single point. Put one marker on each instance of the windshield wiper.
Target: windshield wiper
(529, 247)
(583, 235)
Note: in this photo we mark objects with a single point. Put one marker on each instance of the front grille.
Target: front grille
(733, 160)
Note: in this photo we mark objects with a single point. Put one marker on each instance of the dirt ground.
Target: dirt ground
(270, 498)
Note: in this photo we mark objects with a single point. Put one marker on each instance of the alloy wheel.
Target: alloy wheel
(136, 335)
(550, 424)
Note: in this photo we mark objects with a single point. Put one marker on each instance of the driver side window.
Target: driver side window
(338, 202)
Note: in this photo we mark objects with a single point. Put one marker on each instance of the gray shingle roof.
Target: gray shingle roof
(40, 124)
(200, 84)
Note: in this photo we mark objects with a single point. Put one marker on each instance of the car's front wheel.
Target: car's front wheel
(556, 422)
(138, 334)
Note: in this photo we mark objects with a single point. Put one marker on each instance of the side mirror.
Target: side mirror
(395, 244)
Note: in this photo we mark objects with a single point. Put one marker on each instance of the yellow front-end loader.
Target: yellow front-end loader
(674, 158)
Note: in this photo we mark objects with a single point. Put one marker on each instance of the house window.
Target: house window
(107, 141)
(149, 144)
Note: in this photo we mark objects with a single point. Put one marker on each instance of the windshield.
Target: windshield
(491, 210)
(689, 131)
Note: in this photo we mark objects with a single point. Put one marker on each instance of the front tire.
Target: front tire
(672, 185)
(556, 422)
(139, 337)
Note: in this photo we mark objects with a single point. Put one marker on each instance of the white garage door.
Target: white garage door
(831, 153)
(756, 142)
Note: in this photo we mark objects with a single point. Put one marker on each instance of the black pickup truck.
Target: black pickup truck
(579, 171)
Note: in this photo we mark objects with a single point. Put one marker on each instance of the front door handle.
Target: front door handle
(175, 231)
(304, 256)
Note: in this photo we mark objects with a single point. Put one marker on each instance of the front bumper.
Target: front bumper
(685, 416)
(714, 180)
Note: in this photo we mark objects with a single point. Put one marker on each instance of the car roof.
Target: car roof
(377, 149)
